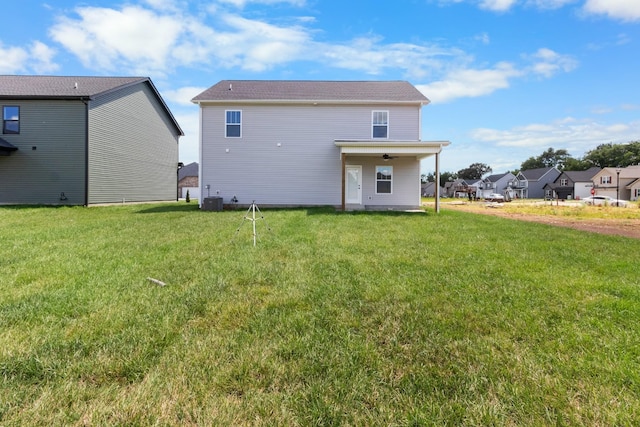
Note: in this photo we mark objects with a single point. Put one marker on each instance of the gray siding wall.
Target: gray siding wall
(56, 129)
(287, 154)
(133, 148)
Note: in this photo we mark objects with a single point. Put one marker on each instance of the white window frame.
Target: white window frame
(378, 180)
(564, 182)
(227, 123)
(605, 179)
(10, 123)
(375, 115)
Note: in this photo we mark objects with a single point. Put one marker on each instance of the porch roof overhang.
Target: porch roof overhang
(6, 148)
(394, 148)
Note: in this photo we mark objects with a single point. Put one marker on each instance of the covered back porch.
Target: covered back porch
(385, 174)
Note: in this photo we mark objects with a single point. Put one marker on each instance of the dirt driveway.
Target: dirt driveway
(620, 227)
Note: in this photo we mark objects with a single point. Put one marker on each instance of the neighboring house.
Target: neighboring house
(530, 184)
(354, 145)
(634, 189)
(188, 181)
(86, 140)
(428, 189)
(614, 182)
(572, 184)
(498, 183)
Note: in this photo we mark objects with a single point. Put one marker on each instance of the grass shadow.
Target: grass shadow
(178, 207)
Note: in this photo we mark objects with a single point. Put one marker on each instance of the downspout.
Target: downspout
(86, 151)
(438, 181)
(344, 185)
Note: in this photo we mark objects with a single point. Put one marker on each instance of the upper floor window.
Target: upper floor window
(564, 182)
(380, 122)
(233, 124)
(384, 179)
(605, 180)
(10, 119)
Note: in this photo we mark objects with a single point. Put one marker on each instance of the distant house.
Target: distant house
(614, 182)
(188, 181)
(86, 140)
(572, 184)
(349, 144)
(497, 183)
(530, 184)
(428, 189)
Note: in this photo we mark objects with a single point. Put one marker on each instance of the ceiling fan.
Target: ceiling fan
(387, 157)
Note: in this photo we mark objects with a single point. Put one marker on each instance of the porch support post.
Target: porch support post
(344, 183)
(437, 182)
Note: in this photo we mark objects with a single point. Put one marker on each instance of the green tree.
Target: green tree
(612, 155)
(548, 158)
(474, 171)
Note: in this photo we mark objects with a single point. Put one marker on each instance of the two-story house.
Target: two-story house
(85, 140)
(497, 183)
(572, 184)
(349, 144)
(530, 183)
(617, 182)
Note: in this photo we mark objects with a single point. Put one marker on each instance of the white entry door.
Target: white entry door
(354, 185)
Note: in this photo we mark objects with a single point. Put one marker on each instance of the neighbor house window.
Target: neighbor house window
(234, 124)
(10, 119)
(564, 182)
(380, 121)
(384, 175)
(605, 180)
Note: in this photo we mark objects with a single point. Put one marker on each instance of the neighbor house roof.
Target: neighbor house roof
(536, 174)
(312, 91)
(70, 87)
(188, 170)
(582, 176)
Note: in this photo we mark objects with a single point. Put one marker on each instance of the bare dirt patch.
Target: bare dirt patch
(613, 226)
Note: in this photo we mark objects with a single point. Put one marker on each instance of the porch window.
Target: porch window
(233, 124)
(380, 123)
(384, 179)
(605, 179)
(10, 119)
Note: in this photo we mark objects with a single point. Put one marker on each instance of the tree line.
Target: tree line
(604, 155)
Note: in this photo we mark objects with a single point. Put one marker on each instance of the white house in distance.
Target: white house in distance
(349, 144)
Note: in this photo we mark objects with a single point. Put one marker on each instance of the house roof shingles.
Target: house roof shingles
(315, 91)
(61, 86)
(72, 87)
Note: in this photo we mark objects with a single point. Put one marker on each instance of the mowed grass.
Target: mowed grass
(332, 319)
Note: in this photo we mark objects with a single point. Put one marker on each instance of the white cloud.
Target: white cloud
(575, 135)
(546, 62)
(183, 95)
(243, 3)
(470, 83)
(497, 5)
(107, 39)
(625, 10)
(36, 58)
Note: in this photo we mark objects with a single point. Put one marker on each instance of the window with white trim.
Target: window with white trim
(233, 124)
(564, 182)
(384, 179)
(605, 179)
(10, 119)
(380, 124)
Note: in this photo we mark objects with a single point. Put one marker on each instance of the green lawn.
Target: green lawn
(332, 319)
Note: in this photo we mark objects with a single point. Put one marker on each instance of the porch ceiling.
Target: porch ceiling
(418, 149)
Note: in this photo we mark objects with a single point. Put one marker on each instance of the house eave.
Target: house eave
(313, 102)
(394, 148)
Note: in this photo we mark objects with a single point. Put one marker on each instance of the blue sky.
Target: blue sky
(507, 79)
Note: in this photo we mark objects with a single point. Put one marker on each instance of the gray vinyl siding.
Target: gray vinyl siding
(57, 164)
(287, 154)
(133, 148)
